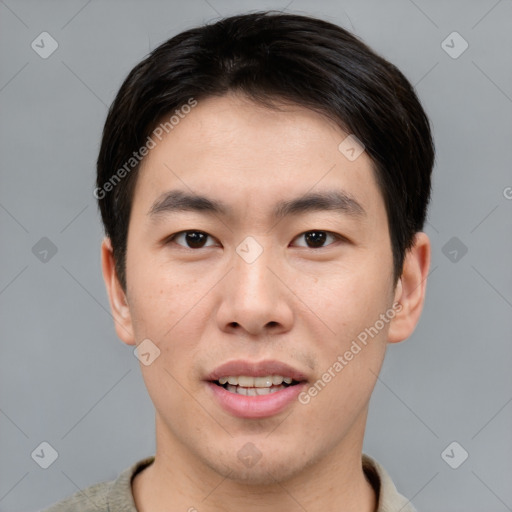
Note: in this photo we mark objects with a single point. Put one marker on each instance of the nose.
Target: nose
(255, 298)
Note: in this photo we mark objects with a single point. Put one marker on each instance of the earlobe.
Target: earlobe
(410, 289)
(117, 297)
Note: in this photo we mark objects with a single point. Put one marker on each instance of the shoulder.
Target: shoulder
(90, 499)
(388, 498)
(111, 496)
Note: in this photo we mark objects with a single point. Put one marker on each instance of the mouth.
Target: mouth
(255, 389)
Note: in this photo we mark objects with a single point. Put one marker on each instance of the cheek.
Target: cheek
(347, 298)
(172, 312)
(351, 351)
(163, 295)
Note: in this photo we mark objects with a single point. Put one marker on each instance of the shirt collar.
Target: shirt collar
(120, 497)
(388, 498)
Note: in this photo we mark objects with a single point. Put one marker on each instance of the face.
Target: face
(268, 284)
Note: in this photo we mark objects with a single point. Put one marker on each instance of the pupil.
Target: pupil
(195, 239)
(317, 238)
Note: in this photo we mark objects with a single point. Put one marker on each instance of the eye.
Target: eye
(192, 239)
(316, 238)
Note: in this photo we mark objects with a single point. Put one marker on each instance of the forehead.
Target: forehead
(246, 154)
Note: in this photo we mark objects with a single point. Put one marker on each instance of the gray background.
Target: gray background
(65, 377)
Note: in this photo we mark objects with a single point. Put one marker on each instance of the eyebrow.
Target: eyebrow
(330, 200)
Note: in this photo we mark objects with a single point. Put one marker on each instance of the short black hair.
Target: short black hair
(270, 57)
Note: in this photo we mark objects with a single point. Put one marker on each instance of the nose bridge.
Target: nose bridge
(251, 272)
(253, 298)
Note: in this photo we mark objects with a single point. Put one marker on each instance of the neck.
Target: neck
(177, 481)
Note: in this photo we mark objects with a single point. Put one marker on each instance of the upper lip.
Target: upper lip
(255, 369)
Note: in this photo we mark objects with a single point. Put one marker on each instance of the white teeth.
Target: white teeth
(277, 379)
(246, 382)
(255, 382)
(263, 382)
(253, 391)
(254, 386)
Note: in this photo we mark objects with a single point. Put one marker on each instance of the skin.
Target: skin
(298, 304)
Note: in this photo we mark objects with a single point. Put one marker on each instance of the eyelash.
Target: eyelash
(173, 237)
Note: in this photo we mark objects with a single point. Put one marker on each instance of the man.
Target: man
(263, 182)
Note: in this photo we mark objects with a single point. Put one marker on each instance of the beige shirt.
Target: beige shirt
(116, 495)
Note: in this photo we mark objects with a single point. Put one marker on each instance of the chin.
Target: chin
(266, 471)
(261, 475)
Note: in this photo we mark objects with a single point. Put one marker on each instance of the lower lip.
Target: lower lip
(255, 406)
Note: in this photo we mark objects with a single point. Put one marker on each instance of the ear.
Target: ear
(410, 290)
(117, 297)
